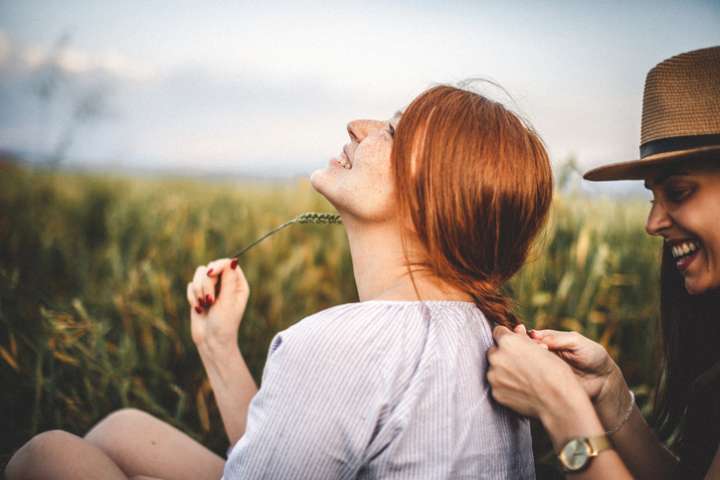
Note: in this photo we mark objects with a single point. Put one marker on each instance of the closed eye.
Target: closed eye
(677, 195)
(392, 122)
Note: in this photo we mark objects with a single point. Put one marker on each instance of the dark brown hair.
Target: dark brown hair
(477, 185)
(686, 408)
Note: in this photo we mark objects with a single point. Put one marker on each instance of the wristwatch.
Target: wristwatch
(579, 451)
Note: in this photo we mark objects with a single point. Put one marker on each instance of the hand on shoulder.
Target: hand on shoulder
(527, 377)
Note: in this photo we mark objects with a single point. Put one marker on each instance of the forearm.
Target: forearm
(641, 450)
(232, 384)
(574, 416)
(637, 444)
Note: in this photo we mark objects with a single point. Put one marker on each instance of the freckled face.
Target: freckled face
(686, 213)
(358, 182)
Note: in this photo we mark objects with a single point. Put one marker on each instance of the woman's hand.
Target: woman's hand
(596, 371)
(217, 295)
(529, 379)
(589, 360)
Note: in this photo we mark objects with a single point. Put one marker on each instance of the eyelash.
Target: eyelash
(391, 130)
(678, 195)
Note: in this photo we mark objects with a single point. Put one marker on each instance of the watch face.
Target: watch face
(575, 454)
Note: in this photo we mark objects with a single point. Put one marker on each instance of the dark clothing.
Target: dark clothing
(701, 426)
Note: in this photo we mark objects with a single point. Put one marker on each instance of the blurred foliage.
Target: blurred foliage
(92, 291)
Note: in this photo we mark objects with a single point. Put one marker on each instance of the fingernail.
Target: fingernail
(209, 272)
(234, 263)
(202, 303)
(208, 300)
(198, 309)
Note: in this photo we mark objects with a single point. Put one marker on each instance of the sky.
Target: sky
(267, 88)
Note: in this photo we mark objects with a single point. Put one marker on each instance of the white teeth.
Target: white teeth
(684, 248)
(344, 162)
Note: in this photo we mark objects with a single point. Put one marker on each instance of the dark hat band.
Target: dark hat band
(674, 144)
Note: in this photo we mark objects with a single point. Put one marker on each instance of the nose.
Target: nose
(658, 220)
(359, 129)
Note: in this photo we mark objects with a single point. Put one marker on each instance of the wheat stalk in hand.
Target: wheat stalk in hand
(307, 217)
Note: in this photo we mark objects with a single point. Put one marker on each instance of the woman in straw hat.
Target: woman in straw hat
(579, 393)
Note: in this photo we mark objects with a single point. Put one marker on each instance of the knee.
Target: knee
(37, 451)
(117, 425)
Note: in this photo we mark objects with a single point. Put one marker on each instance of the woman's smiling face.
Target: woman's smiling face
(359, 182)
(686, 213)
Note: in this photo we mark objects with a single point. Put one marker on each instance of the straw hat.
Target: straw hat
(680, 117)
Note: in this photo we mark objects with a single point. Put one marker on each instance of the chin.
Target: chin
(322, 183)
(700, 286)
(315, 179)
(692, 288)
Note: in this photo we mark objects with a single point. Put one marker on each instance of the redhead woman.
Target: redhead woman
(440, 204)
(580, 394)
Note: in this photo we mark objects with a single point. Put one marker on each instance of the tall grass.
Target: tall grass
(93, 273)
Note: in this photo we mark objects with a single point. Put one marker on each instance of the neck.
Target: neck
(379, 266)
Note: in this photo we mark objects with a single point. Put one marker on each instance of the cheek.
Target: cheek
(373, 165)
(707, 221)
(712, 247)
(378, 185)
(703, 221)
(373, 183)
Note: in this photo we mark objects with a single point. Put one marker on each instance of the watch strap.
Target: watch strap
(599, 443)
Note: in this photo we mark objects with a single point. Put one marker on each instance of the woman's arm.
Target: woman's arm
(571, 414)
(232, 385)
(535, 382)
(214, 324)
(635, 441)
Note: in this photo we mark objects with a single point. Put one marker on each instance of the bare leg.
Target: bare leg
(57, 455)
(140, 444)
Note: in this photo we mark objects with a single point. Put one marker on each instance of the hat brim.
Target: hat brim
(643, 168)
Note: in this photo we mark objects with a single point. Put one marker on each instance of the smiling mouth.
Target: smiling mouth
(344, 159)
(684, 252)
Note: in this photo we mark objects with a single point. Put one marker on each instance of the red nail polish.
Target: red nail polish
(208, 300)
(234, 263)
(209, 272)
(198, 309)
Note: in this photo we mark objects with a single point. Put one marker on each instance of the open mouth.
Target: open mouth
(344, 161)
(684, 252)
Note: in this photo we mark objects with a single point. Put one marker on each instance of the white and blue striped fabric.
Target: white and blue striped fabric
(381, 390)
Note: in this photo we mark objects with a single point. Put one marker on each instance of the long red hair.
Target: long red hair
(477, 185)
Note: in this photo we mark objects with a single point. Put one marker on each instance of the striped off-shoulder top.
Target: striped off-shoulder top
(381, 390)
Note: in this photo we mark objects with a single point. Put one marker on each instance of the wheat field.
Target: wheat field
(92, 290)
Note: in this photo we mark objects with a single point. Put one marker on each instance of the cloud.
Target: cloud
(186, 117)
(73, 60)
(79, 62)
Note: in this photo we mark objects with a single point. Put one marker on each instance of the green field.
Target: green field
(93, 273)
